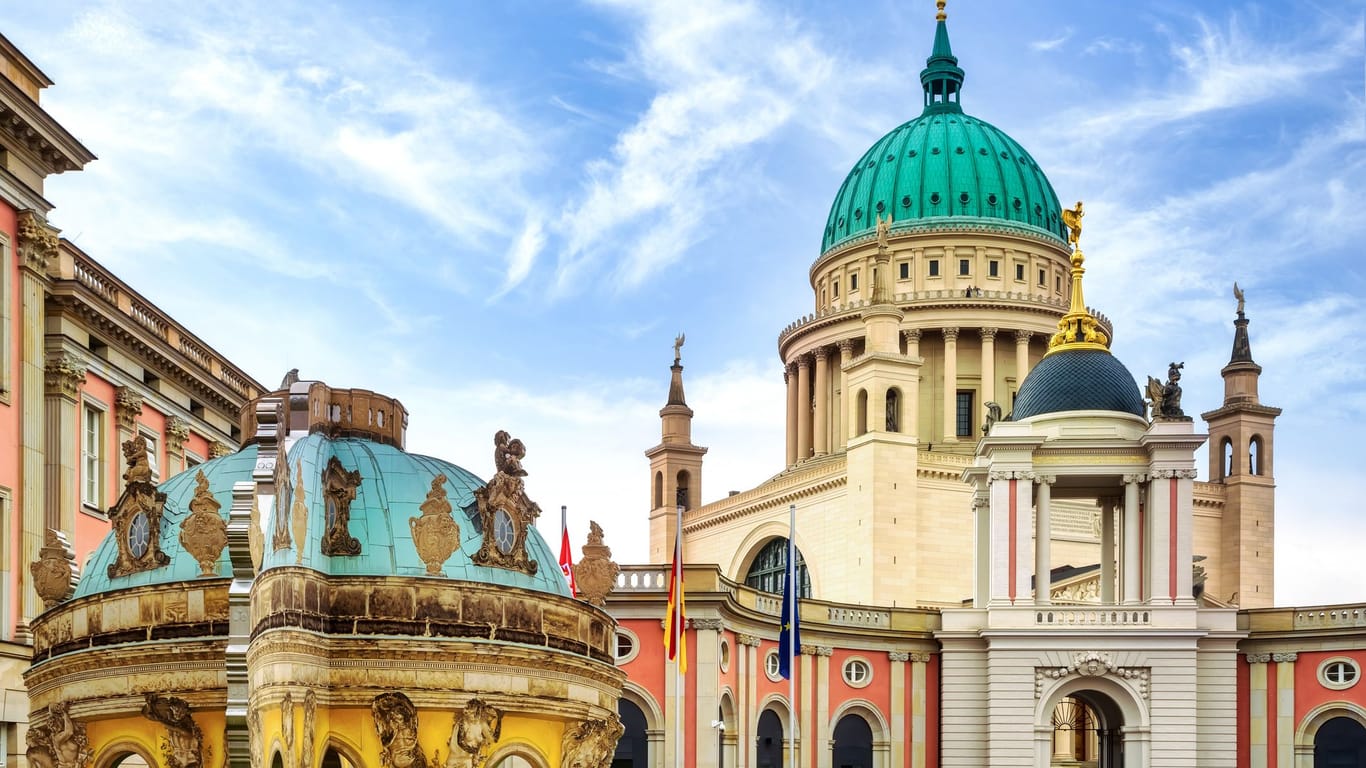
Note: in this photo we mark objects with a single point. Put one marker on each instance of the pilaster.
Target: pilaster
(988, 368)
(707, 639)
(1257, 726)
(897, 712)
(1285, 708)
(842, 409)
(64, 375)
(1021, 358)
(822, 401)
(1043, 540)
(790, 380)
(803, 408)
(127, 410)
(919, 710)
(950, 385)
(177, 433)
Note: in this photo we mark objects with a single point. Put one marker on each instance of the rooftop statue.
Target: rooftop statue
(1072, 218)
(678, 347)
(884, 227)
(1238, 294)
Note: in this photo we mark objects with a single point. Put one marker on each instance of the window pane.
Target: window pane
(964, 426)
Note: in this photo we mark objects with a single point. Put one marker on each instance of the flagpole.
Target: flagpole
(792, 617)
(679, 680)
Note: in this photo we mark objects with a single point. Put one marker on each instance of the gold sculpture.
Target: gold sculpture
(436, 535)
(203, 533)
(595, 574)
(1072, 218)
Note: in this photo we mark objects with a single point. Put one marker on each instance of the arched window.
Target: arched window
(1074, 731)
(1226, 464)
(683, 496)
(769, 740)
(861, 420)
(770, 566)
(1340, 741)
(893, 410)
(1254, 456)
(853, 743)
(633, 747)
(659, 490)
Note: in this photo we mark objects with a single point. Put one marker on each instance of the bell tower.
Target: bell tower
(1241, 453)
(675, 465)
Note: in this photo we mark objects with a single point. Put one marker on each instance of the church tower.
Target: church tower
(675, 466)
(1241, 451)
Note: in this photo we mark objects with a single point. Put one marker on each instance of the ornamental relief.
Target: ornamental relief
(58, 742)
(436, 535)
(591, 743)
(136, 516)
(203, 533)
(339, 490)
(183, 745)
(396, 725)
(1092, 664)
(55, 575)
(287, 728)
(310, 726)
(475, 730)
(595, 573)
(505, 511)
(286, 493)
(298, 513)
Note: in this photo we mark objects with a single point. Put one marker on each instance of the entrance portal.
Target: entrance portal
(1087, 732)
(1340, 743)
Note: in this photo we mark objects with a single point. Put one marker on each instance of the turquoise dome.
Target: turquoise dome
(393, 485)
(944, 168)
(1078, 380)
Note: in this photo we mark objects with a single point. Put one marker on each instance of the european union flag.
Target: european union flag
(790, 639)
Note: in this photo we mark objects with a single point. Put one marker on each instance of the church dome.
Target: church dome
(1078, 380)
(945, 168)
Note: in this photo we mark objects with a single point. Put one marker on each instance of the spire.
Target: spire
(1078, 329)
(676, 383)
(1242, 348)
(941, 78)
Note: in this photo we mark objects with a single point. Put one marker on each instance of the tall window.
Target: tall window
(964, 267)
(993, 268)
(934, 267)
(1254, 457)
(1019, 273)
(92, 458)
(769, 568)
(964, 414)
(153, 454)
(905, 270)
(853, 281)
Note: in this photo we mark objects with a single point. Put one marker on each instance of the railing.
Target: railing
(95, 282)
(642, 579)
(197, 354)
(1331, 617)
(859, 617)
(1091, 617)
(148, 318)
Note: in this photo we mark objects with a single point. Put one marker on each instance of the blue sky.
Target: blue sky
(502, 213)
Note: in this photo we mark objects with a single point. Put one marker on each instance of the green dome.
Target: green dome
(393, 486)
(944, 168)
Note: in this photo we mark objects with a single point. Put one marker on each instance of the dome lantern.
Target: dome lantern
(941, 78)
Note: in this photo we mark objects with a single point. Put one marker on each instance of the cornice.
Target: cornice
(942, 227)
(20, 196)
(38, 132)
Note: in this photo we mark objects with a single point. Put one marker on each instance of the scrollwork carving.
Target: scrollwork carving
(55, 575)
(396, 724)
(923, 658)
(37, 241)
(596, 573)
(750, 640)
(136, 516)
(436, 535)
(339, 490)
(505, 511)
(1284, 658)
(203, 533)
(1258, 658)
(184, 741)
(476, 729)
(715, 625)
(591, 743)
(64, 374)
(127, 407)
(901, 656)
(1092, 664)
(287, 727)
(177, 432)
(310, 726)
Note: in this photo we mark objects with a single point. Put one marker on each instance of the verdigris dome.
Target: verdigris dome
(944, 168)
(1078, 380)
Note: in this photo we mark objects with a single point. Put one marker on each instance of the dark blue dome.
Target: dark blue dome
(1078, 380)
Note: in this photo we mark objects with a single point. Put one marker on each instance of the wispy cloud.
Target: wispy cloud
(1112, 45)
(1052, 44)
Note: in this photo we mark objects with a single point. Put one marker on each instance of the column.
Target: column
(822, 401)
(65, 373)
(1107, 551)
(37, 249)
(1021, 362)
(912, 336)
(1043, 540)
(950, 385)
(1285, 708)
(1130, 562)
(817, 704)
(706, 689)
(919, 685)
(981, 515)
(749, 713)
(790, 378)
(842, 428)
(1160, 587)
(988, 368)
(803, 408)
(897, 712)
(177, 432)
(1257, 715)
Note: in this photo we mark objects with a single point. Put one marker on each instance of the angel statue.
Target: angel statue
(884, 227)
(1072, 218)
(678, 347)
(1238, 294)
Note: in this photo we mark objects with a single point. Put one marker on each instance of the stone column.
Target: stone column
(817, 704)
(1285, 707)
(912, 336)
(988, 368)
(981, 516)
(1258, 725)
(919, 686)
(65, 373)
(822, 401)
(177, 432)
(790, 378)
(1021, 362)
(950, 385)
(706, 689)
(1043, 540)
(37, 250)
(1107, 551)
(749, 713)
(897, 718)
(1133, 595)
(803, 408)
(842, 428)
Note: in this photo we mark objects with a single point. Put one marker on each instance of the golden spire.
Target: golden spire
(940, 16)
(1077, 329)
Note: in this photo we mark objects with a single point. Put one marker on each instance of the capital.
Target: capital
(822, 353)
(1135, 479)
(846, 348)
(803, 363)
(712, 624)
(1045, 479)
(923, 658)
(1022, 336)
(898, 656)
(64, 374)
(37, 242)
(1258, 658)
(911, 334)
(128, 407)
(218, 450)
(988, 334)
(750, 640)
(1281, 658)
(950, 334)
(177, 432)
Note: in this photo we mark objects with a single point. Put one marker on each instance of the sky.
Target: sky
(503, 213)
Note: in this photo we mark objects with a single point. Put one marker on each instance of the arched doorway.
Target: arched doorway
(633, 749)
(1088, 730)
(1340, 743)
(768, 740)
(853, 743)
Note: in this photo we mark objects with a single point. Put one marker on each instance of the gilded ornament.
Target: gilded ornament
(58, 742)
(184, 741)
(1072, 218)
(476, 729)
(286, 494)
(591, 743)
(136, 517)
(298, 513)
(436, 535)
(505, 511)
(595, 574)
(204, 533)
(339, 490)
(396, 724)
(55, 575)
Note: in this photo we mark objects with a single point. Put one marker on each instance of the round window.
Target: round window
(139, 535)
(771, 666)
(1339, 673)
(857, 673)
(725, 656)
(504, 531)
(627, 647)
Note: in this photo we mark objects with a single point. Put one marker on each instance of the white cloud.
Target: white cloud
(1052, 44)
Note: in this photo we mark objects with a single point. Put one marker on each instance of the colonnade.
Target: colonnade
(819, 420)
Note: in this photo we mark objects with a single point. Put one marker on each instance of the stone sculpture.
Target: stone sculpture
(595, 574)
(591, 743)
(477, 728)
(54, 572)
(436, 535)
(339, 490)
(136, 516)
(184, 740)
(203, 533)
(505, 511)
(396, 724)
(60, 742)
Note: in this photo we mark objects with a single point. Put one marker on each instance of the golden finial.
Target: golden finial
(1077, 329)
(1072, 218)
(940, 16)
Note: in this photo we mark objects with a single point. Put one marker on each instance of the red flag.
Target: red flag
(567, 561)
(676, 622)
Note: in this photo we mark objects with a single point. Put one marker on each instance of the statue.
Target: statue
(396, 724)
(1072, 218)
(135, 453)
(1238, 294)
(1154, 393)
(893, 410)
(591, 743)
(595, 573)
(884, 227)
(508, 452)
(993, 416)
(678, 347)
(477, 728)
(1171, 392)
(60, 742)
(290, 379)
(183, 737)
